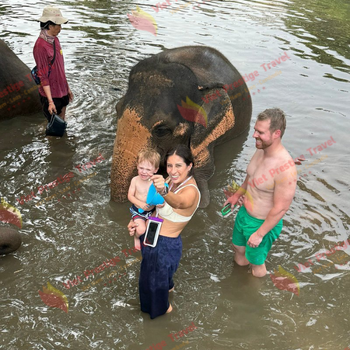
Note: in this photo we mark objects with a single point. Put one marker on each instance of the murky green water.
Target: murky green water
(71, 232)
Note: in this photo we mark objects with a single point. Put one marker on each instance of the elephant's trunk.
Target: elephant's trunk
(131, 137)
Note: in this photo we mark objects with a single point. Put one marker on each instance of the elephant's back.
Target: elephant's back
(16, 86)
(208, 64)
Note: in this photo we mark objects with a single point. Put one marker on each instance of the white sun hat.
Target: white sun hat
(53, 14)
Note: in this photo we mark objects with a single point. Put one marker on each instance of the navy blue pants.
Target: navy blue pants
(156, 275)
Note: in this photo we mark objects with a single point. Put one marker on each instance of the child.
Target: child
(147, 164)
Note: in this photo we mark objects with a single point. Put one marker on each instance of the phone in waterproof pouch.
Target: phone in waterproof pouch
(152, 231)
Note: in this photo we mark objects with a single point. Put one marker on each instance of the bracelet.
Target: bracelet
(165, 191)
(50, 102)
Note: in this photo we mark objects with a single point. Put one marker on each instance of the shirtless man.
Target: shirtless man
(271, 182)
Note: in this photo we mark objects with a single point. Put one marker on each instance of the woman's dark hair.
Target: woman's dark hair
(45, 25)
(184, 152)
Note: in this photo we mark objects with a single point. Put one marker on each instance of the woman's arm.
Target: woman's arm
(182, 200)
(52, 107)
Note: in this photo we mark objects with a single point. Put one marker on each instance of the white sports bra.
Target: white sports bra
(168, 213)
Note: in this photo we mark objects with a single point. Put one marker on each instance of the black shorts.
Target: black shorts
(59, 102)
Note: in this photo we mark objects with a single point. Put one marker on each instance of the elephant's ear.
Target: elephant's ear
(220, 120)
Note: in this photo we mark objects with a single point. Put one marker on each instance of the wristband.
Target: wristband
(165, 191)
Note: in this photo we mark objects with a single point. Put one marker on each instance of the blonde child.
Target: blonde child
(147, 164)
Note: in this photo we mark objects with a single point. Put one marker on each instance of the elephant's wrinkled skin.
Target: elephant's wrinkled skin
(18, 92)
(148, 114)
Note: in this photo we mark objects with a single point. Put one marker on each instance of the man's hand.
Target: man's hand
(228, 193)
(254, 240)
(232, 200)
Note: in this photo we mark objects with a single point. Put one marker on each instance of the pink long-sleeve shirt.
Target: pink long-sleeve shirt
(43, 55)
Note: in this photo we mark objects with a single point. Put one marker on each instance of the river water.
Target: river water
(68, 230)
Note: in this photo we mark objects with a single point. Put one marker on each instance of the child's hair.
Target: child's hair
(149, 155)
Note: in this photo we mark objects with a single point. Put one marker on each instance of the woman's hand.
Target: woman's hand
(52, 108)
(132, 227)
(158, 182)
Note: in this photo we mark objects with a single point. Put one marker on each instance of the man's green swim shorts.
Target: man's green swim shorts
(245, 226)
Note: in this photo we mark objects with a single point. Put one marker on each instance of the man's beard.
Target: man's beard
(263, 144)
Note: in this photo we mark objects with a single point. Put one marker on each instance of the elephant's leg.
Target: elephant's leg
(10, 240)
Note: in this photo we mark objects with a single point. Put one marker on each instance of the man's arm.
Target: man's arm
(282, 198)
(240, 192)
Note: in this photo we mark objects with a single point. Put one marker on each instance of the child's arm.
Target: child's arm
(133, 199)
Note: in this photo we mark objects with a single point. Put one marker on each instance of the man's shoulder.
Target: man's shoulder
(285, 156)
(284, 163)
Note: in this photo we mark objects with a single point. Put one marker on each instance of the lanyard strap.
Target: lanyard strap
(180, 184)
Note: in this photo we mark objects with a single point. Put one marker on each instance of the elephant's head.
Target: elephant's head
(164, 107)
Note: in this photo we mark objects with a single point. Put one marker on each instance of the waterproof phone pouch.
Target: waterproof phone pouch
(152, 231)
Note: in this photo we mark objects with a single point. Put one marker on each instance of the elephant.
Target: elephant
(10, 240)
(18, 91)
(191, 95)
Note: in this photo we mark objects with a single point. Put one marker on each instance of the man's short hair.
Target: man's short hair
(149, 155)
(277, 119)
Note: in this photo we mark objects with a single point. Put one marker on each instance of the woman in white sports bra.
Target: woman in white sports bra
(159, 263)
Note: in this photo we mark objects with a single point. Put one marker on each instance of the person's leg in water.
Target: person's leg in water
(259, 270)
(239, 256)
(63, 113)
(140, 230)
(158, 267)
(245, 226)
(241, 260)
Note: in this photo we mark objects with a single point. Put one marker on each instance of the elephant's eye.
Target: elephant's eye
(161, 130)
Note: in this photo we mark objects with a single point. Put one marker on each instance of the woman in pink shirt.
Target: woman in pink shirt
(54, 90)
